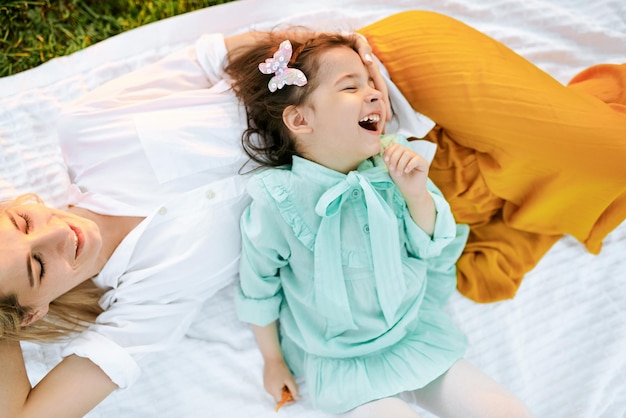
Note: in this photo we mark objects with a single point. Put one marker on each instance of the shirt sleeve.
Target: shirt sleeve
(420, 244)
(125, 332)
(116, 362)
(264, 252)
(211, 54)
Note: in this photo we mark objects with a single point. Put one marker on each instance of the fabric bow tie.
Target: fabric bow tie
(330, 288)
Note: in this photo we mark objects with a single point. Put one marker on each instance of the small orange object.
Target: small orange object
(287, 397)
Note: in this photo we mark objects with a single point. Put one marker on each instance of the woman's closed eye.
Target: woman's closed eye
(42, 265)
(28, 222)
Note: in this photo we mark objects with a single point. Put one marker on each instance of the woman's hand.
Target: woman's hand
(365, 52)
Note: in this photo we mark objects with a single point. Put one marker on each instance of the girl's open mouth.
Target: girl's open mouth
(370, 122)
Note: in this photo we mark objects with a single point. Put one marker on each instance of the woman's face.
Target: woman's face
(44, 253)
(345, 112)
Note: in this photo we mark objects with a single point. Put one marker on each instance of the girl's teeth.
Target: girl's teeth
(370, 118)
(370, 122)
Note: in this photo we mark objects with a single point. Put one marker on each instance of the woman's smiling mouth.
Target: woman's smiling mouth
(78, 240)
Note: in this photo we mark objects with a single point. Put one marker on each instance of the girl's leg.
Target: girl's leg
(386, 407)
(525, 157)
(466, 392)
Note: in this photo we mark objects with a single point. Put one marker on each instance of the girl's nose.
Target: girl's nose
(374, 95)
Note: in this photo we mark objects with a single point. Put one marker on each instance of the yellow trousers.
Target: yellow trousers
(521, 158)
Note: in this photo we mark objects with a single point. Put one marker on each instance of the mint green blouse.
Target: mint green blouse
(338, 259)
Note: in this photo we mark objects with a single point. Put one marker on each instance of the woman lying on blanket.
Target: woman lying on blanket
(154, 158)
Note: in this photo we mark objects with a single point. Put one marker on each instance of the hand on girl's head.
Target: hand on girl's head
(365, 52)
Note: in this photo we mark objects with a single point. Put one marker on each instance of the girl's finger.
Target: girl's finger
(416, 163)
(396, 157)
(391, 156)
(404, 161)
(293, 389)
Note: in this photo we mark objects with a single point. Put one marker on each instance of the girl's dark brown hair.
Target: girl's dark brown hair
(267, 140)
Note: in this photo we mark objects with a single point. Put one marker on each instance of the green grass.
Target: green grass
(33, 32)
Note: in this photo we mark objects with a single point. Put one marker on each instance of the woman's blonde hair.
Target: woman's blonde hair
(69, 313)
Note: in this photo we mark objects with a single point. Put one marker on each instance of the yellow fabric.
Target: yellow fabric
(522, 158)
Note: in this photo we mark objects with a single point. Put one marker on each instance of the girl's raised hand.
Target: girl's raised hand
(408, 169)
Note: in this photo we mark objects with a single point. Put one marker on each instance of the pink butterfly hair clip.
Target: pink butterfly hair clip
(283, 75)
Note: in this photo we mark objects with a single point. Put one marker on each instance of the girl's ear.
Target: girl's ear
(34, 315)
(296, 120)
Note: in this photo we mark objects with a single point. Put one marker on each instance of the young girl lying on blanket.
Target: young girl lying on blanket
(350, 248)
(513, 162)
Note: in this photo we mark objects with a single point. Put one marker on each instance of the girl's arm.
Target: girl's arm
(276, 374)
(71, 389)
(423, 213)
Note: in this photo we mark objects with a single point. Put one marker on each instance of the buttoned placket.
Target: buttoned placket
(330, 289)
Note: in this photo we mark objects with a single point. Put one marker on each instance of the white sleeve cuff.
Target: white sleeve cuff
(211, 54)
(116, 362)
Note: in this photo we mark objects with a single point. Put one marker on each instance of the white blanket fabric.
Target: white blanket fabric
(559, 345)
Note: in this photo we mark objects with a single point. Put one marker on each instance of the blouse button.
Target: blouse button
(162, 211)
(356, 193)
(210, 194)
(366, 229)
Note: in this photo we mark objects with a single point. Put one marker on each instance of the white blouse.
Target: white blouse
(163, 143)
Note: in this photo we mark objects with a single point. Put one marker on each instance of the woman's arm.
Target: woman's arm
(71, 389)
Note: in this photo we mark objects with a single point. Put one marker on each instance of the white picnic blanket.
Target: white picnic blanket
(560, 345)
